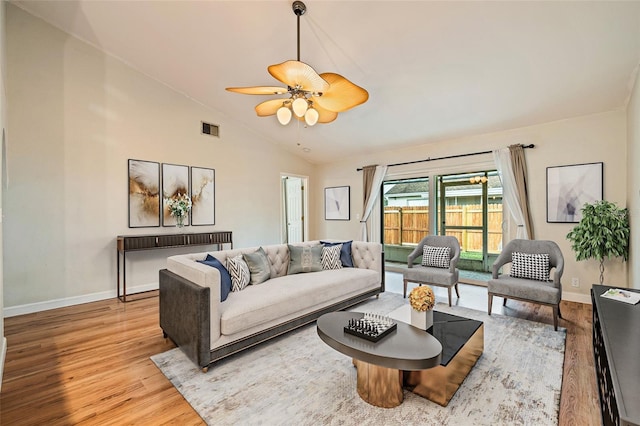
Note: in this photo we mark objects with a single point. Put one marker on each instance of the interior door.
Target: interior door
(294, 209)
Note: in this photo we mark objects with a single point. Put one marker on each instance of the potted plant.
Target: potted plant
(602, 232)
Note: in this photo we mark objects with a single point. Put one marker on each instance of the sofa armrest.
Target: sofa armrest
(185, 316)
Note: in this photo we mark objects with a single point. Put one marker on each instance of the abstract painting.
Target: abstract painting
(203, 196)
(336, 203)
(175, 180)
(570, 187)
(144, 194)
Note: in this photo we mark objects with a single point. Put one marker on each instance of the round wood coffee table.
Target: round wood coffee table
(381, 364)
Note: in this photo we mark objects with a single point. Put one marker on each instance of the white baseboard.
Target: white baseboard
(576, 297)
(3, 355)
(30, 308)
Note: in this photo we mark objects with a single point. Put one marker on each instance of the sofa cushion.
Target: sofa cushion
(438, 257)
(291, 294)
(532, 266)
(225, 278)
(304, 259)
(345, 252)
(239, 271)
(258, 264)
(331, 257)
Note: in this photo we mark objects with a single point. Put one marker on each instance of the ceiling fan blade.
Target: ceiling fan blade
(269, 107)
(259, 90)
(298, 74)
(342, 94)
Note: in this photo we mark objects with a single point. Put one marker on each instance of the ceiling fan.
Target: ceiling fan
(314, 98)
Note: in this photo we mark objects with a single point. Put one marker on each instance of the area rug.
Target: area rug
(297, 379)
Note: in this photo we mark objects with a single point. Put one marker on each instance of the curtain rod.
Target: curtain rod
(445, 158)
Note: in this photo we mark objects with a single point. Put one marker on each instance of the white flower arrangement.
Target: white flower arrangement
(179, 206)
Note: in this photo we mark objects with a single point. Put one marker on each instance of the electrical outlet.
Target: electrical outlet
(575, 282)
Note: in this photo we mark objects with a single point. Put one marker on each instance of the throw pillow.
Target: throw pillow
(330, 258)
(437, 257)
(304, 259)
(239, 272)
(258, 264)
(225, 278)
(530, 266)
(345, 252)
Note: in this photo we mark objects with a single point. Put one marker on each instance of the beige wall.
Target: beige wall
(77, 115)
(633, 178)
(593, 138)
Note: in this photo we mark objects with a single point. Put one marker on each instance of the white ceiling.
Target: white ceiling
(434, 70)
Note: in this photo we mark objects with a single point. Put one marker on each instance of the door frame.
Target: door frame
(283, 207)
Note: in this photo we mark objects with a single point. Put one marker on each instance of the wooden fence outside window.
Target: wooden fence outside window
(408, 225)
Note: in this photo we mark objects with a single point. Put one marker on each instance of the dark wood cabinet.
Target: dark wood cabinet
(616, 350)
(127, 243)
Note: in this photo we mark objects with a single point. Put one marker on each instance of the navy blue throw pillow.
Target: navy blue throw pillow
(345, 253)
(225, 278)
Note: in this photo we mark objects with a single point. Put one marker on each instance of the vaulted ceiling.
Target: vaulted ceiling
(434, 70)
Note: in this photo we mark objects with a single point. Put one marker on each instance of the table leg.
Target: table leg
(379, 386)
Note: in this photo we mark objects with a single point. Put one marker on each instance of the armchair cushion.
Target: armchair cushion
(430, 275)
(530, 266)
(536, 291)
(438, 257)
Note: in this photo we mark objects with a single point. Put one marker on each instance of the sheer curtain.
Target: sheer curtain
(372, 177)
(510, 191)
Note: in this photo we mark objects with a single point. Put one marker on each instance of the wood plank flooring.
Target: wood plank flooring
(89, 364)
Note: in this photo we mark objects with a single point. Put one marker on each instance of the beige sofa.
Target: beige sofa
(207, 330)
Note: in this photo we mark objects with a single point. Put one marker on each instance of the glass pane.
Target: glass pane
(406, 211)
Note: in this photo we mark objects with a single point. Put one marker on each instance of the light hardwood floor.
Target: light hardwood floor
(89, 364)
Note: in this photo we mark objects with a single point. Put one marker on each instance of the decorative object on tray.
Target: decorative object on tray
(422, 301)
(372, 327)
(179, 207)
(622, 295)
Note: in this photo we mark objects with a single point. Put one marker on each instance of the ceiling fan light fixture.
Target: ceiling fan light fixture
(300, 106)
(284, 115)
(314, 98)
(311, 116)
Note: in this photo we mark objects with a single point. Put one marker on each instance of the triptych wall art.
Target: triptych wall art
(151, 183)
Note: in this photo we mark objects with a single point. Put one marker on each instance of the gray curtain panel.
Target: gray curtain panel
(520, 173)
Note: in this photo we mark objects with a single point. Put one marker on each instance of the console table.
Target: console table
(616, 345)
(127, 243)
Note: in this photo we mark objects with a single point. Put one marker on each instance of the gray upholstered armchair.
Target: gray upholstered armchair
(535, 288)
(432, 275)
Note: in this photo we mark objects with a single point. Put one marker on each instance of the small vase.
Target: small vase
(422, 320)
(180, 221)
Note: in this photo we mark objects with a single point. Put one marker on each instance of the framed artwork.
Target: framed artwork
(144, 194)
(337, 203)
(570, 187)
(203, 190)
(175, 180)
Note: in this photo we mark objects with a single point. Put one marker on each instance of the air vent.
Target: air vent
(210, 129)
